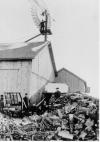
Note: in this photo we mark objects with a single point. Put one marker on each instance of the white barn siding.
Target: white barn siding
(8, 77)
(42, 72)
(27, 70)
(15, 76)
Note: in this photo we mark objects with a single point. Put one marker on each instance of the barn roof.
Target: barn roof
(26, 51)
(23, 52)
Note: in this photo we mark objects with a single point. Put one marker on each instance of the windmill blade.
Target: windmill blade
(35, 17)
(41, 4)
(36, 12)
(38, 8)
(38, 4)
(44, 7)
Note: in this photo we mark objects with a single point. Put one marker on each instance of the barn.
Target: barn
(27, 69)
(74, 82)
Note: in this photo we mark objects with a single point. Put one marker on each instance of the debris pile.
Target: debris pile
(70, 117)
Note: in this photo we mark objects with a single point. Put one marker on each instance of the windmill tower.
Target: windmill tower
(41, 18)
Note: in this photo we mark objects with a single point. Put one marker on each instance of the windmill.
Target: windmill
(41, 18)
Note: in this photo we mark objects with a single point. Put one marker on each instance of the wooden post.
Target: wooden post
(46, 21)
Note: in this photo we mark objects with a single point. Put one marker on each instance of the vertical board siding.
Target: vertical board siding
(42, 72)
(74, 83)
(25, 72)
(8, 77)
(15, 76)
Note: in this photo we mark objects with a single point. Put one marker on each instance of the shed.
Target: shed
(74, 82)
(27, 69)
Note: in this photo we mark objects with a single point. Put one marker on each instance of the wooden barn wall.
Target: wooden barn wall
(42, 72)
(74, 83)
(15, 76)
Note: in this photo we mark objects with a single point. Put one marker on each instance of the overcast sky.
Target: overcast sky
(75, 33)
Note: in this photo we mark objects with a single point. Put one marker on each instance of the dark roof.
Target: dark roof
(23, 52)
(72, 74)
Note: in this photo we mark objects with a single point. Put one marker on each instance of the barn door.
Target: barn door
(9, 80)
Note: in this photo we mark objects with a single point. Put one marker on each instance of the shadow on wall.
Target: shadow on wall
(38, 96)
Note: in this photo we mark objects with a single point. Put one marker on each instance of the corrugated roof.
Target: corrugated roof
(24, 52)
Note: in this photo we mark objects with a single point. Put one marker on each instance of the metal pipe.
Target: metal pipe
(32, 38)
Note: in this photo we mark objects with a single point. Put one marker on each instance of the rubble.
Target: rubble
(71, 117)
(65, 135)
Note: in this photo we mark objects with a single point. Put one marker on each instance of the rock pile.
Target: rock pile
(71, 117)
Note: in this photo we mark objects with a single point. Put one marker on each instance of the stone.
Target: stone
(65, 135)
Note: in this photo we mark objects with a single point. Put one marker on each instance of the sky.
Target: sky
(75, 33)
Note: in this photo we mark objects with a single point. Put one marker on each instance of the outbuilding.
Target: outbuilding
(27, 69)
(74, 82)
